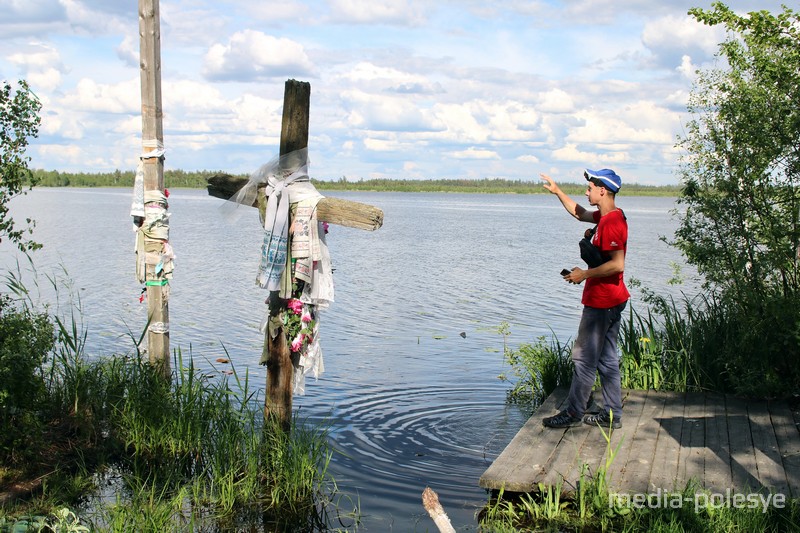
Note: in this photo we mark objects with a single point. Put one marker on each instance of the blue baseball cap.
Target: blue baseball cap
(606, 176)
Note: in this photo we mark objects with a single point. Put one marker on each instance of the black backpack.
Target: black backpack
(591, 253)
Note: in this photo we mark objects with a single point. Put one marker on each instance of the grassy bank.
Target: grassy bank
(197, 180)
(107, 443)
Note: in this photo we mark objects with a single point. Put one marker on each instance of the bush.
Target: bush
(26, 338)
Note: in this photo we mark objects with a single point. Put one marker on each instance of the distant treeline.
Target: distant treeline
(180, 179)
(177, 179)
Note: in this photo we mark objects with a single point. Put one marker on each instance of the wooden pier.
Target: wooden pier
(667, 439)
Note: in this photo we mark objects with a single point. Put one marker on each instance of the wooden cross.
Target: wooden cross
(294, 136)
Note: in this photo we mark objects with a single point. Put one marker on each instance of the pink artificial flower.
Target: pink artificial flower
(297, 343)
(325, 226)
(295, 305)
(306, 316)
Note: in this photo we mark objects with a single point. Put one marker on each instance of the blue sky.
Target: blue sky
(409, 89)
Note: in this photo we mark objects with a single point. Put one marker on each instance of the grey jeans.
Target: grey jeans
(595, 350)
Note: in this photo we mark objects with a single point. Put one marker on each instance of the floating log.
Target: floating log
(332, 210)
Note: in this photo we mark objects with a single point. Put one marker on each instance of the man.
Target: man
(604, 298)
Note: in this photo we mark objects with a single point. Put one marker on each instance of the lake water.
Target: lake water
(409, 400)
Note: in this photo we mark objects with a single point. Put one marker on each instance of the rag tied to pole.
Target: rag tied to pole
(295, 264)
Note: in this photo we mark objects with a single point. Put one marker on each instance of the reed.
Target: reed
(536, 369)
(190, 453)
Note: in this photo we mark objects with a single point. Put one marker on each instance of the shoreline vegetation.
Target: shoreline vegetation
(179, 179)
(94, 442)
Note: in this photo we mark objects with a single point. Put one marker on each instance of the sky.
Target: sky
(400, 89)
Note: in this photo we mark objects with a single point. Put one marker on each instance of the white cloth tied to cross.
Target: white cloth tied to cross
(285, 187)
(286, 182)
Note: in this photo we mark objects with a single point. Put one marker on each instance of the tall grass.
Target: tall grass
(709, 343)
(193, 452)
(536, 369)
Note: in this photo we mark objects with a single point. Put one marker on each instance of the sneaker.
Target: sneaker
(562, 420)
(602, 419)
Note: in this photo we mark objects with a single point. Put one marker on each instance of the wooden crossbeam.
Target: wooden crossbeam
(332, 210)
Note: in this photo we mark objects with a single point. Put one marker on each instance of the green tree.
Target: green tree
(741, 193)
(741, 169)
(19, 121)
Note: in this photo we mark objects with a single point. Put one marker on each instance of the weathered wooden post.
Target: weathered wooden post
(294, 136)
(153, 145)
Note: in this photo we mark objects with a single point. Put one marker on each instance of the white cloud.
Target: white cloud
(387, 77)
(250, 55)
(62, 125)
(128, 51)
(257, 114)
(555, 101)
(188, 96)
(673, 37)
(31, 11)
(642, 122)
(381, 145)
(104, 18)
(475, 153)
(460, 123)
(48, 79)
(687, 68)
(278, 11)
(386, 113)
(68, 153)
(571, 153)
(528, 159)
(40, 64)
(90, 96)
(399, 12)
(36, 56)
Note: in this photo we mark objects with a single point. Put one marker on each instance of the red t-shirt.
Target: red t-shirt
(611, 235)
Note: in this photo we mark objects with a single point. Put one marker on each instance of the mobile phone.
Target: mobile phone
(565, 272)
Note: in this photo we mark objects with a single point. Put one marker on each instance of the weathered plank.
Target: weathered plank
(691, 457)
(665, 463)
(597, 451)
(771, 475)
(718, 455)
(639, 464)
(332, 210)
(787, 433)
(565, 462)
(522, 463)
(744, 471)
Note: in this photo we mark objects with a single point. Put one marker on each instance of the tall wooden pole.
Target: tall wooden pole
(294, 136)
(152, 140)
